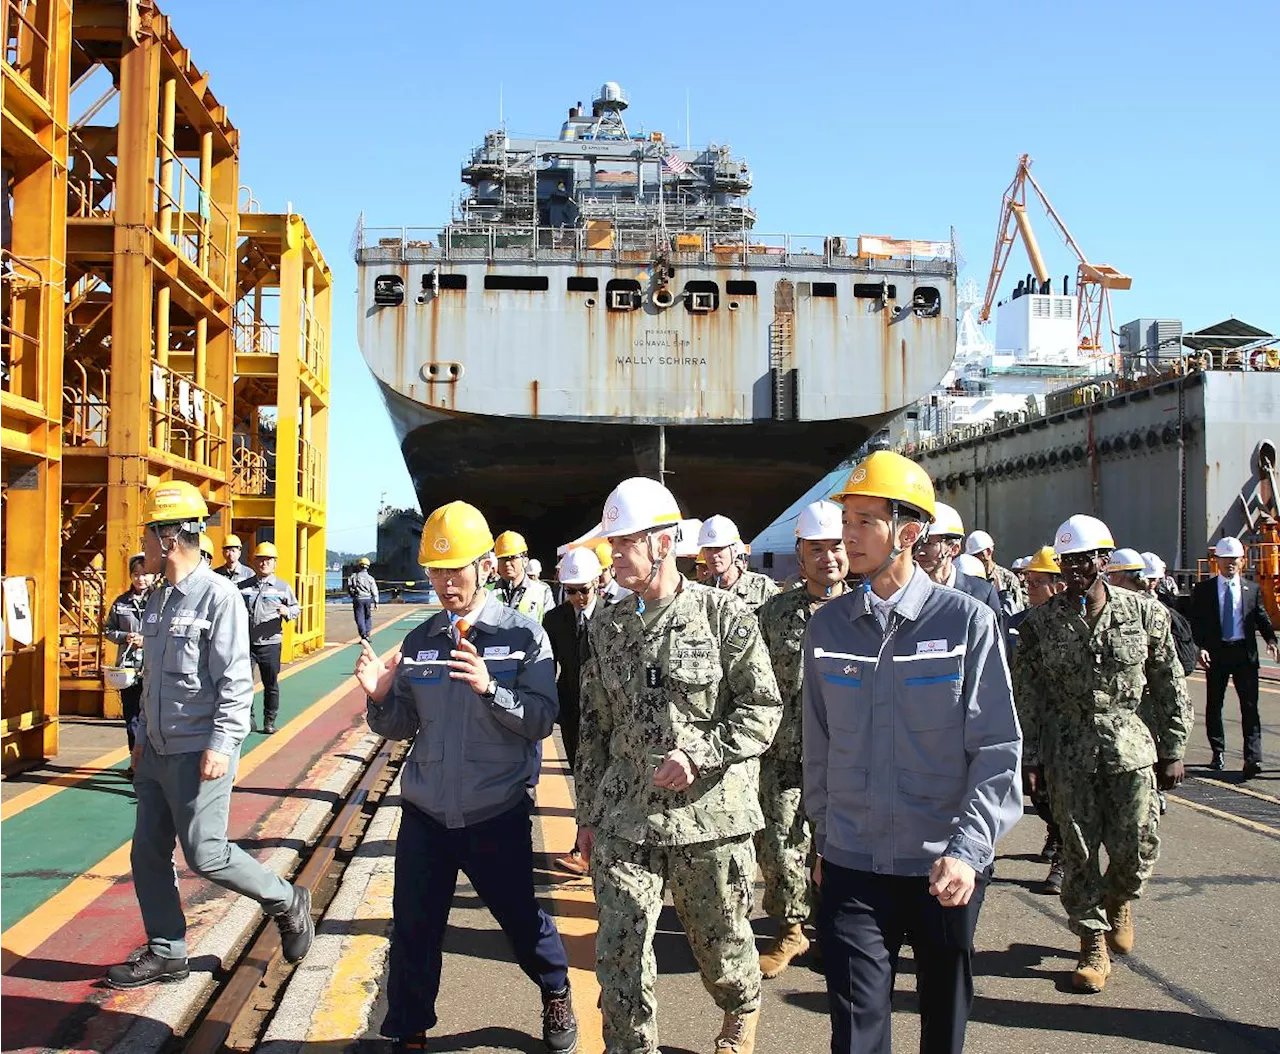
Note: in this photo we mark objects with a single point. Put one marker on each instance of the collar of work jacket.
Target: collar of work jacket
(486, 620)
(913, 596)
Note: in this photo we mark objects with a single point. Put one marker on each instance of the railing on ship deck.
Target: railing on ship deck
(410, 244)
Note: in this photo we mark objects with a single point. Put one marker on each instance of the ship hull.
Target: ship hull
(1170, 468)
(549, 479)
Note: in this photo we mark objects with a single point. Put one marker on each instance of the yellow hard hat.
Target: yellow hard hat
(174, 502)
(701, 558)
(1045, 561)
(232, 541)
(508, 543)
(363, 561)
(206, 545)
(265, 549)
(454, 535)
(604, 553)
(885, 474)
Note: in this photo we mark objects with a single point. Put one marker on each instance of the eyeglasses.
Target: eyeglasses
(577, 591)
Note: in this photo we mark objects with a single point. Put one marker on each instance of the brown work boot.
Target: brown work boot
(738, 1033)
(1120, 939)
(573, 863)
(790, 943)
(1094, 966)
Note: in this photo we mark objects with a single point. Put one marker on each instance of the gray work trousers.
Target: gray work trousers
(175, 805)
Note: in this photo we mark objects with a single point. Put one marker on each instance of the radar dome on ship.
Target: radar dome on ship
(612, 97)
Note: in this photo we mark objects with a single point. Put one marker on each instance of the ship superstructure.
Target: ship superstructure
(600, 304)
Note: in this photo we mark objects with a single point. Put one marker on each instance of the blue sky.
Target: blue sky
(1153, 126)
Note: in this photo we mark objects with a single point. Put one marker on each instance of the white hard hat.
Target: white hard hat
(1082, 534)
(639, 504)
(579, 567)
(978, 541)
(1126, 560)
(717, 532)
(1020, 563)
(970, 565)
(1229, 548)
(820, 522)
(946, 522)
(688, 544)
(535, 567)
(1152, 566)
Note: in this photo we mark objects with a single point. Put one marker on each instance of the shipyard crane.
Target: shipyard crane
(1094, 282)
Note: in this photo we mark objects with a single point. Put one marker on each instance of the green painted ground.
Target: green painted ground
(50, 844)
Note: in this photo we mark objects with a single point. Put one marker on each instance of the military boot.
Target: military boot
(1120, 939)
(1057, 872)
(738, 1033)
(1094, 966)
(789, 944)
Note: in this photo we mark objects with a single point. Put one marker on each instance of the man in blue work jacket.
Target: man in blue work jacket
(475, 689)
(911, 769)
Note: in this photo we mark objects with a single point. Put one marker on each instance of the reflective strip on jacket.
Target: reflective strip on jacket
(472, 757)
(271, 603)
(911, 741)
(197, 680)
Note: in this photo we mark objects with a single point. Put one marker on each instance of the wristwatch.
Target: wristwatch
(490, 692)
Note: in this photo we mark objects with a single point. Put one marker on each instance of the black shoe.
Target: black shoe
(1251, 769)
(1053, 880)
(269, 729)
(559, 1024)
(418, 1041)
(1217, 764)
(146, 968)
(297, 930)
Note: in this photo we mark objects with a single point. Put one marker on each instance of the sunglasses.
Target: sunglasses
(577, 591)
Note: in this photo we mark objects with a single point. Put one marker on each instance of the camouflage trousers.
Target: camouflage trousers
(1115, 810)
(711, 887)
(782, 847)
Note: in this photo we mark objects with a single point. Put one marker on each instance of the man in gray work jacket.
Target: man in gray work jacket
(271, 604)
(196, 696)
(475, 689)
(911, 768)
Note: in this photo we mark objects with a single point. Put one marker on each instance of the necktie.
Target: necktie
(1229, 612)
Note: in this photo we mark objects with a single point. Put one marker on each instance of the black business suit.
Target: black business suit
(982, 591)
(569, 646)
(1231, 660)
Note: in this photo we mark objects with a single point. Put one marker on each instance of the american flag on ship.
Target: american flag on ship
(675, 164)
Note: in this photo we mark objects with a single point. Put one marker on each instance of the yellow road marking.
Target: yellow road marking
(32, 930)
(1239, 790)
(558, 834)
(339, 1013)
(22, 802)
(1250, 824)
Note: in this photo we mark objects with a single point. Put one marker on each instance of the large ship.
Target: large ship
(600, 305)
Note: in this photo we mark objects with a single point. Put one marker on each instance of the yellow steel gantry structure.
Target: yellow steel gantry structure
(282, 367)
(132, 297)
(35, 87)
(151, 283)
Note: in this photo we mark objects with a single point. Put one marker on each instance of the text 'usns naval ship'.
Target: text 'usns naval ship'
(600, 306)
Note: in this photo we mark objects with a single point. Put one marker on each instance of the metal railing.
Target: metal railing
(249, 472)
(717, 247)
(86, 405)
(195, 234)
(310, 591)
(81, 612)
(310, 472)
(187, 420)
(315, 342)
(26, 47)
